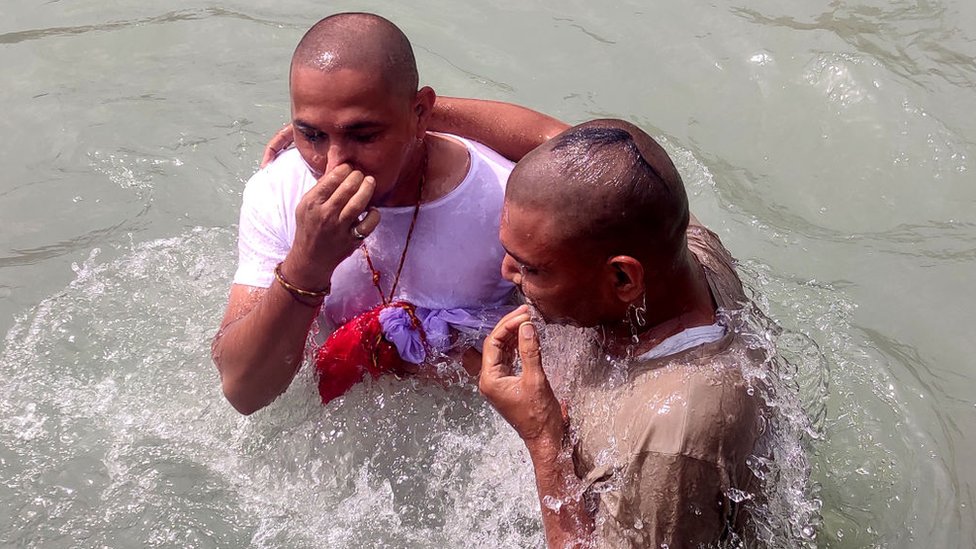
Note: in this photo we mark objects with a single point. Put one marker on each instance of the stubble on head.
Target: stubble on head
(364, 42)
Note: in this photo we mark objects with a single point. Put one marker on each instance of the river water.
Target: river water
(828, 143)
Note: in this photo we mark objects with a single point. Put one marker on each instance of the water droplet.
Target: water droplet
(738, 496)
(553, 504)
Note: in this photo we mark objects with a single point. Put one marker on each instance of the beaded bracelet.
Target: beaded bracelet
(297, 292)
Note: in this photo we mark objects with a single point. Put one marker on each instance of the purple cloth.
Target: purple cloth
(436, 323)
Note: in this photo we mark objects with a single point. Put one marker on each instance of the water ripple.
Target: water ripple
(877, 31)
(30, 256)
(170, 17)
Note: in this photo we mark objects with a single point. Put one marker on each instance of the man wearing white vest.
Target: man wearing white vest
(368, 211)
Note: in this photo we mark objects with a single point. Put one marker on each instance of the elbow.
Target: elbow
(238, 399)
(236, 390)
(244, 410)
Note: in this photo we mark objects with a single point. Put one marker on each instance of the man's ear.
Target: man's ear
(628, 277)
(423, 108)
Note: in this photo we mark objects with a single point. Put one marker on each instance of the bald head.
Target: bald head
(363, 42)
(610, 187)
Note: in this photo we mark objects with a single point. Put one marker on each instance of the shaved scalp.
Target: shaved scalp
(360, 41)
(611, 189)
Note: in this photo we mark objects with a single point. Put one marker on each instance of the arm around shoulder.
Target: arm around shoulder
(509, 129)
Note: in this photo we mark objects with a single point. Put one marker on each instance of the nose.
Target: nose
(338, 154)
(511, 271)
(333, 153)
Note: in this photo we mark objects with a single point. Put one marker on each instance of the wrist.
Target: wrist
(546, 448)
(305, 274)
(304, 296)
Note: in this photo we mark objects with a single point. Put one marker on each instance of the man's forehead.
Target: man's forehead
(533, 217)
(343, 99)
(530, 234)
(308, 83)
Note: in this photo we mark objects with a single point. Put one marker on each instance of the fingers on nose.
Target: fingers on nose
(336, 156)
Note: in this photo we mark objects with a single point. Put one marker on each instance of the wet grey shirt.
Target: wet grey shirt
(664, 450)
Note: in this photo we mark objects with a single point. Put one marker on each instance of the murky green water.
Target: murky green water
(831, 146)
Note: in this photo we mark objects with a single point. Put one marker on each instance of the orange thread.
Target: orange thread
(403, 256)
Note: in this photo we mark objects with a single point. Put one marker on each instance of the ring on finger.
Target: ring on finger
(358, 235)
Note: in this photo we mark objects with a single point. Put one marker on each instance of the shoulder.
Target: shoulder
(719, 266)
(286, 176)
(689, 430)
(484, 156)
(492, 157)
(723, 404)
(705, 411)
(702, 241)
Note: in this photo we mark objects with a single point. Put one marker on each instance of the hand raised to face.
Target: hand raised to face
(330, 225)
(526, 400)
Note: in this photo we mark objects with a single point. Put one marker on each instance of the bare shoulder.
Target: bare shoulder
(449, 164)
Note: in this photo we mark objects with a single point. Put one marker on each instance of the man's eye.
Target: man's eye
(312, 137)
(526, 270)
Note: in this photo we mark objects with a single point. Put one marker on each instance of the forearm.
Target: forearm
(566, 521)
(259, 353)
(509, 129)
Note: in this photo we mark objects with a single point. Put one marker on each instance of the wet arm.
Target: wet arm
(566, 521)
(260, 345)
(527, 403)
(510, 129)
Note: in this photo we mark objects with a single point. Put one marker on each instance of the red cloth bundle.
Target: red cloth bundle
(357, 347)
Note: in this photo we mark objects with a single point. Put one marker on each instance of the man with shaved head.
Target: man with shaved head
(382, 231)
(662, 420)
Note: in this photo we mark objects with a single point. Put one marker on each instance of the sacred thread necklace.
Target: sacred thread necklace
(403, 256)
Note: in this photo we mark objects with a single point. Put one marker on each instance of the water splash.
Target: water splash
(113, 431)
(792, 383)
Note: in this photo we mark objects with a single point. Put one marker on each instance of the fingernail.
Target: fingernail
(526, 330)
